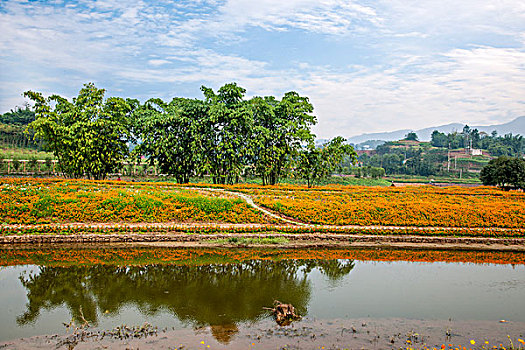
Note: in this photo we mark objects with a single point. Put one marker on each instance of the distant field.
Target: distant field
(435, 179)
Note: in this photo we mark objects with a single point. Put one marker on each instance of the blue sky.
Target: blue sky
(367, 66)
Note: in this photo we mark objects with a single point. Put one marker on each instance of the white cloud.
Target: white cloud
(480, 85)
(158, 62)
(430, 61)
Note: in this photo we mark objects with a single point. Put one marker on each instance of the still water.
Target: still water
(38, 298)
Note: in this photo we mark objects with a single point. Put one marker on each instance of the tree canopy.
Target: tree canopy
(315, 163)
(89, 135)
(223, 135)
(504, 172)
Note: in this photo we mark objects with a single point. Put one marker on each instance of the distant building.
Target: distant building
(476, 152)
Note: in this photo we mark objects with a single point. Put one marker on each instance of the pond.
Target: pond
(218, 296)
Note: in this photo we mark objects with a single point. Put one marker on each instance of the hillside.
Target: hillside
(516, 126)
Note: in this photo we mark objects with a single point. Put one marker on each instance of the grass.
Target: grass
(333, 180)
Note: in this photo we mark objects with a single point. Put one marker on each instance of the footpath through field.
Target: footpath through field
(287, 225)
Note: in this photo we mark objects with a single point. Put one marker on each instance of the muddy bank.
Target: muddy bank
(305, 334)
(265, 240)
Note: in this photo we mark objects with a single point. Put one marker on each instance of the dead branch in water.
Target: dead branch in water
(284, 314)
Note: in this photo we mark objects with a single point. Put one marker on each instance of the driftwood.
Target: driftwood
(284, 314)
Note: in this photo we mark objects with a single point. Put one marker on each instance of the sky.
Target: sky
(366, 66)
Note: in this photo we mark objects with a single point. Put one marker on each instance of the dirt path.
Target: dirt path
(249, 200)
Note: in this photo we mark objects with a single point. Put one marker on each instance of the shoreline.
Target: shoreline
(308, 333)
(285, 240)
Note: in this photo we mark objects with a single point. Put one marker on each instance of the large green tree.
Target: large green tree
(280, 129)
(171, 135)
(316, 163)
(226, 133)
(504, 171)
(89, 135)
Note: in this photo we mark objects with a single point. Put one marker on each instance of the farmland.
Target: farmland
(35, 201)
(408, 206)
(81, 206)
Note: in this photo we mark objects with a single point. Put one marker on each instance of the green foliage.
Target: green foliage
(226, 132)
(32, 163)
(439, 139)
(224, 135)
(171, 135)
(317, 163)
(18, 116)
(507, 145)
(16, 164)
(280, 128)
(504, 171)
(411, 136)
(89, 135)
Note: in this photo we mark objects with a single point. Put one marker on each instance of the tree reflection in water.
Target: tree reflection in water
(216, 295)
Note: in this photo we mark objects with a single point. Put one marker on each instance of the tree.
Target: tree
(280, 128)
(504, 171)
(411, 136)
(315, 163)
(89, 135)
(226, 132)
(439, 139)
(170, 135)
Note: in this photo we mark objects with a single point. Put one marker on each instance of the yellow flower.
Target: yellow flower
(472, 342)
(202, 342)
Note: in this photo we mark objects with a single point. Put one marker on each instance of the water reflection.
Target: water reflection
(216, 295)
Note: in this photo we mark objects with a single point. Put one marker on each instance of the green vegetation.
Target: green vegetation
(224, 136)
(433, 179)
(450, 155)
(504, 172)
(507, 145)
(316, 164)
(88, 136)
(23, 154)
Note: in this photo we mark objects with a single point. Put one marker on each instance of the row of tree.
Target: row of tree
(13, 131)
(507, 145)
(223, 135)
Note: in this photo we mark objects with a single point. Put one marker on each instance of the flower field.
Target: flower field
(480, 211)
(203, 256)
(391, 206)
(37, 201)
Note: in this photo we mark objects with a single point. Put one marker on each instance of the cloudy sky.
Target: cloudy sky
(366, 65)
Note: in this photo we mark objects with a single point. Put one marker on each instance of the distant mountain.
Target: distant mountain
(517, 126)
